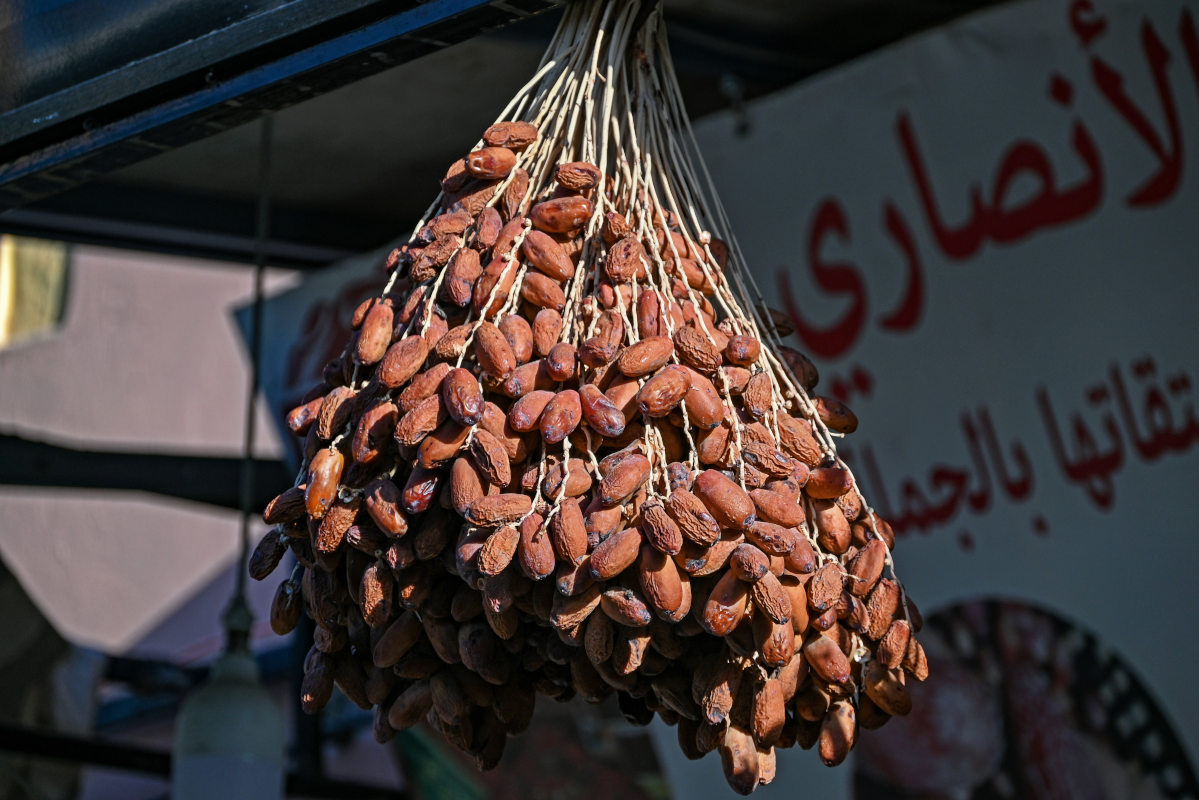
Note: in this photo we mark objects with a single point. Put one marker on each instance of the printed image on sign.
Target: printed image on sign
(1024, 704)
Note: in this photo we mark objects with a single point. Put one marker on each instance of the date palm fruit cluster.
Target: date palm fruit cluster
(565, 453)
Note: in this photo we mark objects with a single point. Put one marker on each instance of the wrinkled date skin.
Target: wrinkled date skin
(563, 215)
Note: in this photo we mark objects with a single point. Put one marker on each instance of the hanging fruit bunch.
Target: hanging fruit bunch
(565, 453)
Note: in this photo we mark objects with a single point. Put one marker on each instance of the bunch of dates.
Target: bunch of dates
(546, 464)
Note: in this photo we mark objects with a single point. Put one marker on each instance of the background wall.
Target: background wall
(148, 359)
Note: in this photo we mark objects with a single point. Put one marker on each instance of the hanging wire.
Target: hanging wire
(238, 617)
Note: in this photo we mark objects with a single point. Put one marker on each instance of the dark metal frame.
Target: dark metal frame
(40, 744)
(91, 118)
(202, 479)
(262, 64)
(175, 222)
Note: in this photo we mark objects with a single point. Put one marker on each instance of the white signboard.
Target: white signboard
(989, 237)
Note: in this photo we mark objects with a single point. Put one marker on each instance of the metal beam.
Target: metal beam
(161, 220)
(54, 746)
(80, 750)
(202, 479)
(142, 123)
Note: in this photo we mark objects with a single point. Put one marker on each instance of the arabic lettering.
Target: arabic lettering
(1087, 25)
(1190, 44)
(998, 220)
(1022, 198)
(1017, 488)
(834, 277)
(1159, 187)
(1163, 422)
(1133, 414)
(950, 489)
(1088, 466)
(907, 314)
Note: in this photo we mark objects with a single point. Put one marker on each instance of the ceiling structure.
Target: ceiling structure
(357, 164)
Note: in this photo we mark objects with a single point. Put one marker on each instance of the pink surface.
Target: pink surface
(148, 359)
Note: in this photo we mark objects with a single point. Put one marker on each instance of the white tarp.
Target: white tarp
(147, 361)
